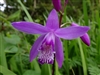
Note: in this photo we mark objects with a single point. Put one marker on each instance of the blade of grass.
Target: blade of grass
(25, 10)
(97, 17)
(3, 61)
(82, 57)
(56, 69)
(85, 12)
(67, 66)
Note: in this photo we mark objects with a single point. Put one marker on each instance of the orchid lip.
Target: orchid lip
(46, 50)
(46, 57)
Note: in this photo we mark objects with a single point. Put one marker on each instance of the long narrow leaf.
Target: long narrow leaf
(6, 71)
(3, 61)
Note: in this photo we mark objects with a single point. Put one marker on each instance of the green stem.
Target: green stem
(82, 57)
(60, 20)
(73, 71)
(56, 69)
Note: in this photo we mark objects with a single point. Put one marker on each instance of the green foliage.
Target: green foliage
(15, 46)
(31, 72)
(94, 70)
(12, 39)
(6, 71)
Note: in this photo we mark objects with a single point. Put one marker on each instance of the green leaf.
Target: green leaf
(85, 11)
(13, 65)
(13, 39)
(3, 61)
(3, 19)
(15, 15)
(31, 72)
(46, 69)
(94, 70)
(56, 69)
(6, 71)
(11, 49)
(2, 14)
(35, 65)
(82, 57)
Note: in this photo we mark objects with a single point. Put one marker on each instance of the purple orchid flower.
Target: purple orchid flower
(85, 38)
(49, 45)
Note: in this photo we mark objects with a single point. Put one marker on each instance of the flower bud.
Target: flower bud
(57, 4)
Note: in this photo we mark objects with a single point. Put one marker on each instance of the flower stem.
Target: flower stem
(60, 20)
(73, 71)
(2, 27)
(82, 57)
(53, 67)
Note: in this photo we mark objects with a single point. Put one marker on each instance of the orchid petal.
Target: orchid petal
(35, 47)
(30, 27)
(52, 21)
(57, 4)
(85, 38)
(59, 52)
(71, 32)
